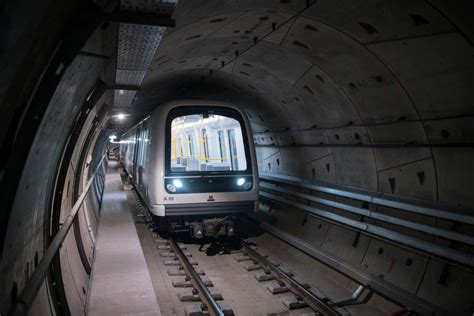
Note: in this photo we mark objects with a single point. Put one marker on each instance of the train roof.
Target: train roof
(168, 106)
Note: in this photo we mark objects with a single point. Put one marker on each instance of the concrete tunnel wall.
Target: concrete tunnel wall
(29, 223)
(32, 218)
(378, 72)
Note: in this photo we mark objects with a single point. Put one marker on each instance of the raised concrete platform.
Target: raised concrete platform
(121, 283)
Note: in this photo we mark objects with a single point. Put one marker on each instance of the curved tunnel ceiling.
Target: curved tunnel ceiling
(334, 73)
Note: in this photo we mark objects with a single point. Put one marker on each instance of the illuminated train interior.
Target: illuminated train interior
(213, 143)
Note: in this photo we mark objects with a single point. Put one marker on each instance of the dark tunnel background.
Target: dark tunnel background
(374, 95)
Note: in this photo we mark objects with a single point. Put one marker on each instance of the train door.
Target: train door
(135, 154)
(141, 154)
(233, 150)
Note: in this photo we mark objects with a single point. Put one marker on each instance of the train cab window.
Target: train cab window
(212, 143)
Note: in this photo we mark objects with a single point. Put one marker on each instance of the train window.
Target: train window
(212, 143)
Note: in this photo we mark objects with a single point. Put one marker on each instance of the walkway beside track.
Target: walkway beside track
(121, 283)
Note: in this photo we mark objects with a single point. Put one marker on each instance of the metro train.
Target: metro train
(194, 166)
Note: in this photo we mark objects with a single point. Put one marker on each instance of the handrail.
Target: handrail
(32, 286)
(413, 205)
(425, 246)
(448, 234)
(271, 189)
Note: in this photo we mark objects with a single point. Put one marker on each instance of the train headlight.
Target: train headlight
(177, 183)
(171, 188)
(240, 181)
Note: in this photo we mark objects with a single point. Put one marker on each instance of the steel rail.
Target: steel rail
(204, 294)
(377, 284)
(32, 286)
(313, 301)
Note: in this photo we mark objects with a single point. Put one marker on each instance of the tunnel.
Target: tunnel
(361, 117)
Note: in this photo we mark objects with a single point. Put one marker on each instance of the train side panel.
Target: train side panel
(127, 150)
(155, 170)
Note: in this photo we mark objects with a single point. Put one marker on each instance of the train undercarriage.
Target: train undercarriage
(197, 226)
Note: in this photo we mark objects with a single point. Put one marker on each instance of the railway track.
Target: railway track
(303, 296)
(211, 305)
(176, 256)
(289, 295)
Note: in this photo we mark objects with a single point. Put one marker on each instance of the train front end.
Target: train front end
(209, 172)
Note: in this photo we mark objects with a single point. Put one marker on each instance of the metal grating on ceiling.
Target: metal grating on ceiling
(137, 45)
(123, 98)
(129, 77)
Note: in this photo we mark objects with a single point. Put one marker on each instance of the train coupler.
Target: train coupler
(212, 227)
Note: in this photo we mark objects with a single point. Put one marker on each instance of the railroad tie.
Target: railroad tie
(180, 272)
(168, 247)
(252, 266)
(177, 262)
(242, 258)
(198, 310)
(263, 276)
(190, 296)
(160, 241)
(172, 254)
(292, 302)
(277, 288)
(187, 283)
